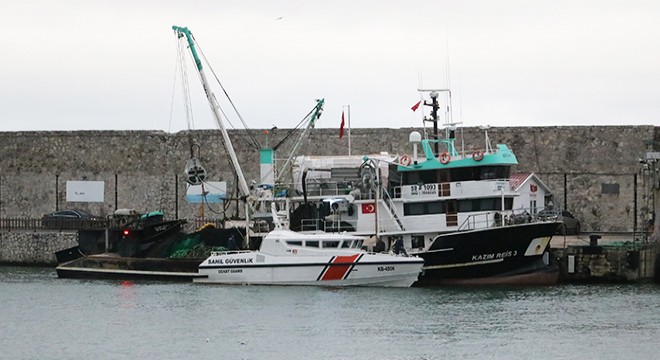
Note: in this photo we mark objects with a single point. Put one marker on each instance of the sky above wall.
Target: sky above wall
(112, 65)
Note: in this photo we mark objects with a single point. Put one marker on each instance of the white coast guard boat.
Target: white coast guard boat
(324, 259)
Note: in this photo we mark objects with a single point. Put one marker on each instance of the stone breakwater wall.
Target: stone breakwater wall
(34, 248)
(144, 169)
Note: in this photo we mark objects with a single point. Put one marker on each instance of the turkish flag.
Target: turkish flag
(341, 127)
(368, 208)
(414, 107)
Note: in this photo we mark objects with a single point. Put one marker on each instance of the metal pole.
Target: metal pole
(106, 240)
(565, 194)
(635, 204)
(116, 191)
(377, 196)
(176, 198)
(502, 217)
(349, 129)
(57, 192)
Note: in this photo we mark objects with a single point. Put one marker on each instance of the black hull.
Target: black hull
(121, 268)
(508, 255)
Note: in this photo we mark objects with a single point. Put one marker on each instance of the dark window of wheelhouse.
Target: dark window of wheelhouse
(434, 207)
(508, 203)
(330, 244)
(425, 208)
(411, 178)
(484, 204)
(413, 209)
(420, 177)
(466, 205)
(294, 243)
(311, 243)
(465, 174)
(417, 241)
(488, 204)
(494, 172)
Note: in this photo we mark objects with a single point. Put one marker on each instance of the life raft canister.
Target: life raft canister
(444, 157)
(478, 155)
(404, 160)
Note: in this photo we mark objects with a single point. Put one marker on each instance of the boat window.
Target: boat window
(488, 204)
(417, 241)
(420, 177)
(411, 178)
(358, 243)
(466, 205)
(434, 207)
(485, 204)
(488, 172)
(330, 244)
(346, 244)
(314, 243)
(495, 172)
(465, 174)
(294, 243)
(413, 209)
(425, 208)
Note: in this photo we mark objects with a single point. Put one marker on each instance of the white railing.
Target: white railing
(507, 217)
(328, 225)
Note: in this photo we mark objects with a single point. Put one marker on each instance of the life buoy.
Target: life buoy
(444, 157)
(404, 160)
(478, 155)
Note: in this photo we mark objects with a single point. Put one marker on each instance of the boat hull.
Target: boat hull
(508, 255)
(350, 270)
(126, 268)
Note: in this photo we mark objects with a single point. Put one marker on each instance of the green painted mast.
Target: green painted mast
(213, 103)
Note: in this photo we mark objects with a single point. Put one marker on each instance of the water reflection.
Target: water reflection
(162, 320)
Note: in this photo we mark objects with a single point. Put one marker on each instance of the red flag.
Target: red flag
(414, 107)
(368, 208)
(341, 127)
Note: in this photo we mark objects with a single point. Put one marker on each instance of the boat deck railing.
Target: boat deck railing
(34, 224)
(329, 188)
(508, 217)
(328, 225)
(230, 252)
(11, 224)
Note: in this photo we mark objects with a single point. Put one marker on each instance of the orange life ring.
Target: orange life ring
(444, 157)
(404, 160)
(478, 155)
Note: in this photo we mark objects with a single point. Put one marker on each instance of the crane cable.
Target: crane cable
(255, 143)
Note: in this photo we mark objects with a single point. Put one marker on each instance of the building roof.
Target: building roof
(517, 180)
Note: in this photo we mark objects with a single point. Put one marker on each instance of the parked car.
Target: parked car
(70, 219)
(571, 225)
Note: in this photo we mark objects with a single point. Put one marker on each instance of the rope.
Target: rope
(255, 143)
(185, 88)
(292, 131)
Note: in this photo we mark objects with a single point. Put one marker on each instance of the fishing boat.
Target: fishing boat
(322, 259)
(449, 206)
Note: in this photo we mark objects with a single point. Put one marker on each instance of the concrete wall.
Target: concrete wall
(34, 248)
(624, 263)
(144, 169)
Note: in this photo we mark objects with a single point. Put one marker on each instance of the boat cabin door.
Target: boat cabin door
(451, 212)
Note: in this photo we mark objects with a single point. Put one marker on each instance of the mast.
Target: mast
(435, 106)
(213, 103)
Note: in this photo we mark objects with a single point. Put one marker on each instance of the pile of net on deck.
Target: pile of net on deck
(199, 244)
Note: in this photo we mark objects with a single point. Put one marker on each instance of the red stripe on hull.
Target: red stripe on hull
(337, 272)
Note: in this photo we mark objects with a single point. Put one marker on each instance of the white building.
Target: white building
(534, 194)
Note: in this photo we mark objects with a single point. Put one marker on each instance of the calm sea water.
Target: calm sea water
(43, 317)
